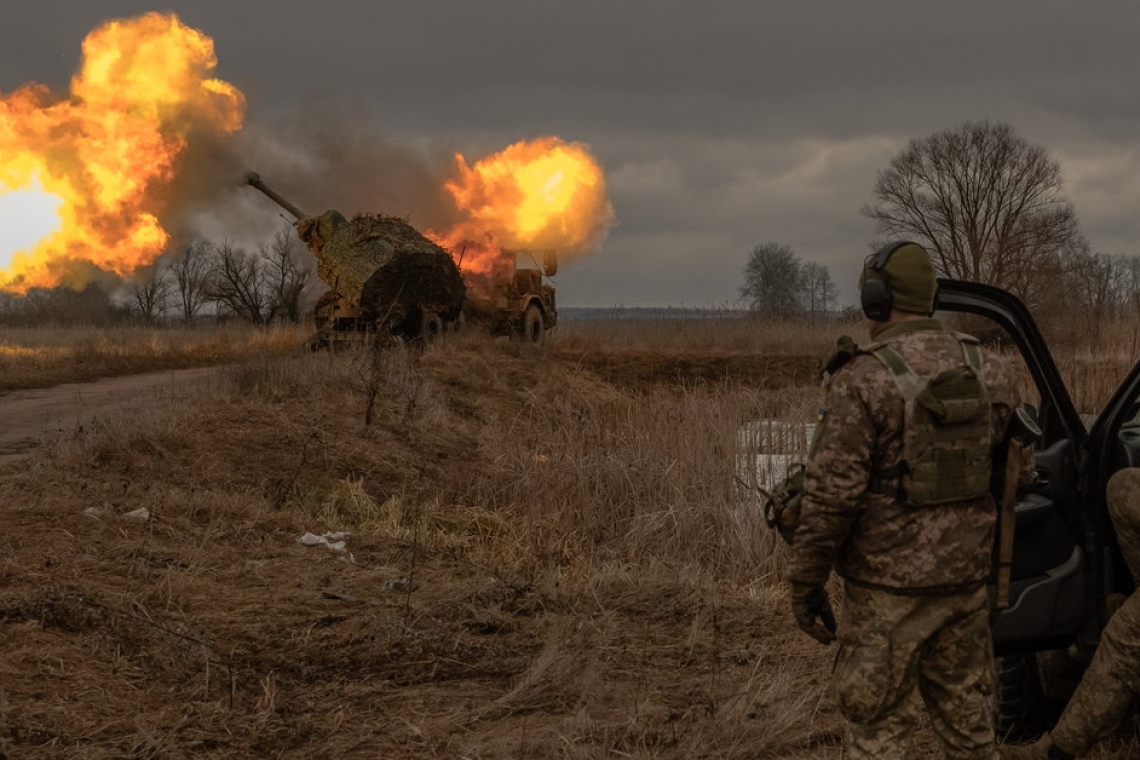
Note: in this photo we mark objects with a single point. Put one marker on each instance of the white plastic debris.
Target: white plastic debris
(334, 541)
(93, 512)
(142, 514)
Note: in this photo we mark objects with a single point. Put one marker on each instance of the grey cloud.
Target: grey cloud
(720, 125)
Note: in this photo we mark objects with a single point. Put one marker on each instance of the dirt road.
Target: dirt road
(28, 418)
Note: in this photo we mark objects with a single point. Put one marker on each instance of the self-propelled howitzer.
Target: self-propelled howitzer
(383, 275)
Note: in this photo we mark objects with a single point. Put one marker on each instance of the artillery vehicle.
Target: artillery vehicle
(385, 278)
(515, 301)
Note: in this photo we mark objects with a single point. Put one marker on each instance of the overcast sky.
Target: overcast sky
(720, 125)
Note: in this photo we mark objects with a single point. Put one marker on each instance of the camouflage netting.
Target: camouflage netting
(384, 265)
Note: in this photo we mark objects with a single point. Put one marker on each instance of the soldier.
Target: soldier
(1106, 690)
(897, 498)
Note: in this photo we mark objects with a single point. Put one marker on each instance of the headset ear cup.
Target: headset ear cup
(876, 299)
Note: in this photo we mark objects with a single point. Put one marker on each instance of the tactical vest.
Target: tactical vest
(946, 453)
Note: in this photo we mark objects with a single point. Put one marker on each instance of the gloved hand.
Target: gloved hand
(812, 611)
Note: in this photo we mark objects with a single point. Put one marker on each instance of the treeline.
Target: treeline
(1102, 287)
(779, 286)
(201, 280)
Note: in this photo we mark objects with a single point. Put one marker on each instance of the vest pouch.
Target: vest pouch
(955, 397)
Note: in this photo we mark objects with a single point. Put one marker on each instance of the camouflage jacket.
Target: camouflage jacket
(872, 538)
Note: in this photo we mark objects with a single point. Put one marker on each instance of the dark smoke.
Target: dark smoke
(327, 156)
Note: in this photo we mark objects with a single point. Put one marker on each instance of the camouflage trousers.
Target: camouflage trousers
(1106, 691)
(892, 646)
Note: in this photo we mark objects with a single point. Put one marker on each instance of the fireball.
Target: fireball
(83, 178)
(541, 195)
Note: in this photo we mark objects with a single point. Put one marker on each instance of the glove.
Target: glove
(812, 612)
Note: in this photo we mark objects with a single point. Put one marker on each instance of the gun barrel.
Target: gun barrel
(254, 179)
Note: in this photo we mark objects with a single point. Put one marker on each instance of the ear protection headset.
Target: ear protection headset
(876, 297)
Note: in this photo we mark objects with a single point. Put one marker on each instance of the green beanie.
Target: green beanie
(910, 275)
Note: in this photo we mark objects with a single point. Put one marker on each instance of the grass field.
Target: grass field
(548, 555)
(42, 357)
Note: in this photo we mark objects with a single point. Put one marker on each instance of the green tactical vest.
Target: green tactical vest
(946, 432)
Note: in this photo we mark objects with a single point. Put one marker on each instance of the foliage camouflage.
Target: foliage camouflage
(384, 265)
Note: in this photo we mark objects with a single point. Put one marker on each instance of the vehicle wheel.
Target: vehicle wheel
(1020, 710)
(431, 327)
(533, 326)
(317, 342)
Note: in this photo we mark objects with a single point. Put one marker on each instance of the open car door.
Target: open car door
(1066, 561)
(1050, 592)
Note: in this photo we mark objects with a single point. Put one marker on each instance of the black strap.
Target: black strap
(888, 481)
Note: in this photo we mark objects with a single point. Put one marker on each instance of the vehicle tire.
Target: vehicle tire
(317, 341)
(431, 327)
(1020, 709)
(534, 328)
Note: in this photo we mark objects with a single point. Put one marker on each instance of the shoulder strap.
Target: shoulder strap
(893, 361)
(906, 379)
(887, 480)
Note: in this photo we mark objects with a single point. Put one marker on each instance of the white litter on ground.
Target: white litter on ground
(334, 540)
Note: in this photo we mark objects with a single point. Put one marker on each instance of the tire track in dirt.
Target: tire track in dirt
(30, 417)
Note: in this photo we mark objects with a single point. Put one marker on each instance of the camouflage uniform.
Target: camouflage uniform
(1107, 689)
(915, 604)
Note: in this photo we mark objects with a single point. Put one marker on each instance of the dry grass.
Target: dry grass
(701, 335)
(546, 559)
(42, 357)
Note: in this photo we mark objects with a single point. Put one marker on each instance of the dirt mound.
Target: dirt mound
(640, 369)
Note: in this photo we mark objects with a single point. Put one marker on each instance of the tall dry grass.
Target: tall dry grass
(542, 563)
(1094, 363)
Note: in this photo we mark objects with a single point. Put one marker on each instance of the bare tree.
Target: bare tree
(985, 202)
(1095, 279)
(819, 291)
(8, 306)
(190, 270)
(288, 271)
(238, 283)
(1129, 284)
(773, 281)
(150, 297)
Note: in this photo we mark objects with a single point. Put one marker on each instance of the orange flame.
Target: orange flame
(542, 195)
(82, 179)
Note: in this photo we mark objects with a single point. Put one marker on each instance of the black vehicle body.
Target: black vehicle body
(1066, 560)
